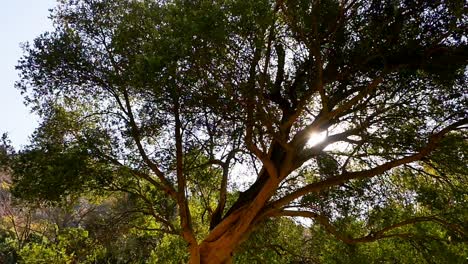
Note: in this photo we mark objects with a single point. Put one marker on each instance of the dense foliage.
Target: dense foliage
(202, 115)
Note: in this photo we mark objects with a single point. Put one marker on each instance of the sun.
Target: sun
(316, 138)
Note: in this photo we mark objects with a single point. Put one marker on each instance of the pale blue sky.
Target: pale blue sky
(20, 21)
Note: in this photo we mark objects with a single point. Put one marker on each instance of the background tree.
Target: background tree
(174, 101)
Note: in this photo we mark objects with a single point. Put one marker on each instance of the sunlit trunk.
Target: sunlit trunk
(211, 254)
(219, 245)
(215, 254)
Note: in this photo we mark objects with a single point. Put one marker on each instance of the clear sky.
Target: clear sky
(20, 21)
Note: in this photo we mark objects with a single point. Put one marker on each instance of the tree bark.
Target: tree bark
(212, 253)
(277, 155)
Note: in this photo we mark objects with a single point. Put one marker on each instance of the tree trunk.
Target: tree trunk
(277, 155)
(210, 253)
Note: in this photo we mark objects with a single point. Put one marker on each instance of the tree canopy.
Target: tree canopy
(205, 113)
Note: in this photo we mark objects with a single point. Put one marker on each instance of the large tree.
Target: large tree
(206, 113)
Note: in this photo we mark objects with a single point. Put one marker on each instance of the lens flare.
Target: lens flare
(316, 138)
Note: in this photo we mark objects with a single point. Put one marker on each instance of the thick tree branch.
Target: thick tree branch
(301, 137)
(184, 211)
(434, 140)
(218, 213)
(135, 132)
(373, 235)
